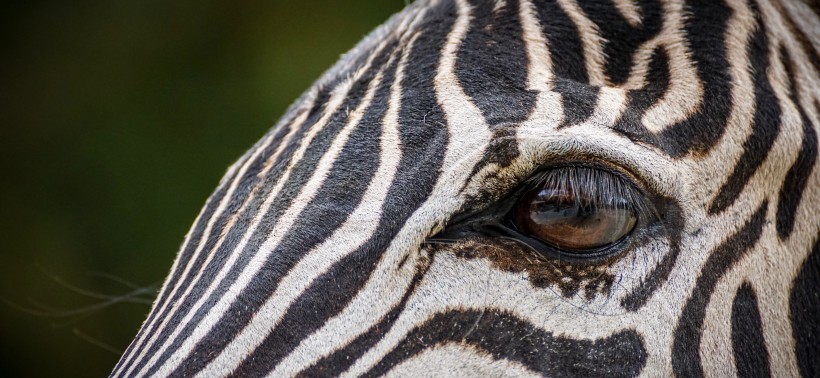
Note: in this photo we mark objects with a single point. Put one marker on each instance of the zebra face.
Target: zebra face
(517, 187)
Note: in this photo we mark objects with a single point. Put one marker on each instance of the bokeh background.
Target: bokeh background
(117, 120)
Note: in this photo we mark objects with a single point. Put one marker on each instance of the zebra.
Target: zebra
(521, 187)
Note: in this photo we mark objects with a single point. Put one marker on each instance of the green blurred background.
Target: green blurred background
(117, 120)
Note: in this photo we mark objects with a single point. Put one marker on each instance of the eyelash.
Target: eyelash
(600, 185)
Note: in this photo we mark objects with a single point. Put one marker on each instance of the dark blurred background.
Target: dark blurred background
(117, 120)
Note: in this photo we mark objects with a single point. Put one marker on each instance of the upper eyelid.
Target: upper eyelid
(641, 201)
(649, 170)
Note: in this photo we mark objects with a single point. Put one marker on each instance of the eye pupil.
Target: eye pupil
(572, 222)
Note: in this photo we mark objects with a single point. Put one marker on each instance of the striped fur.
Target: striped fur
(317, 253)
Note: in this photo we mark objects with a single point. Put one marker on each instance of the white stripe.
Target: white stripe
(594, 57)
(685, 93)
(540, 72)
(548, 111)
(629, 11)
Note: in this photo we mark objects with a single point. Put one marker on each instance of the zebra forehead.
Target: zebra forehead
(669, 83)
(377, 228)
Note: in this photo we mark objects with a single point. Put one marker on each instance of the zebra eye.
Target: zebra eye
(571, 221)
(577, 211)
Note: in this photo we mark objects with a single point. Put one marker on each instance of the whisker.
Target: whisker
(97, 342)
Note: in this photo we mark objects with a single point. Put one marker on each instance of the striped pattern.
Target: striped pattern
(317, 253)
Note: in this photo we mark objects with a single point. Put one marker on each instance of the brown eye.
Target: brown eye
(570, 221)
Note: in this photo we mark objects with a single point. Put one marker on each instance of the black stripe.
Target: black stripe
(248, 183)
(640, 100)
(704, 27)
(804, 312)
(578, 100)
(492, 64)
(766, 124)
(505, 336)
(621, 40)
(341, 359)
(686, 346)
(564, 42)
(751, 355)
(501, 151)
(814, 6)
(493, 67)
(671, 218)
(798, 175)
(798, 34)
(568, 63)
(424, 136)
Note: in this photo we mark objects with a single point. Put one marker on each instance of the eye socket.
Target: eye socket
(578, 210)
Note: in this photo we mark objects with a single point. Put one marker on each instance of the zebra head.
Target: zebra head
(521, 187)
